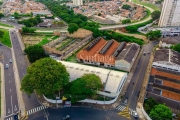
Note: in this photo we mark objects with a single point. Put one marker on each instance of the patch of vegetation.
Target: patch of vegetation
(5, 39)
(46, 40)
(64, 44)
(6, 25)
(153, 6)
(54, 37)
(127, 7)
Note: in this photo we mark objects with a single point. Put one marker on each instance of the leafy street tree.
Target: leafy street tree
(1, 15)
(72, 27)
(153, 35)
(45, 76)
(161, 112)
(155, 14)
(149, 104)
(35, 52)
(176, 48)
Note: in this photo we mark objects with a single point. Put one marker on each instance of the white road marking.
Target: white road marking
(15, 108)
(10, 90)
(9, 74)
(22, 67)
(9, 81)
(11, 104)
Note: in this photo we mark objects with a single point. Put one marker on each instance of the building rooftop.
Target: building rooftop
(167, 55)
(171, 40)
(128, 52)
(113, 81)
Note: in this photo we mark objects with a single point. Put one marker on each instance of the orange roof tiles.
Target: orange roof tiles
(94, 56)
(171, 84)
(171, 95)
(160, 73)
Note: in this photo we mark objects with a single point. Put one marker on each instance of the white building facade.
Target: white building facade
(78, 2)
(170, 15)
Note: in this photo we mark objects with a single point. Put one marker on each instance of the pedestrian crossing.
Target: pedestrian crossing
(122, 108)
(29, 112)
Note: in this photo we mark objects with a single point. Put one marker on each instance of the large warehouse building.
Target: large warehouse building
(164, 81)
(110, 54)
(113, 81)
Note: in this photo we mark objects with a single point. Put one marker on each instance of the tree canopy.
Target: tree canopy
(45, 76)
(35, 52)
(1, 33)
(149, 104)
(161, 112)
(28, 30)
(126, 21)
(125, 6)
(153, 35)
(155, 14)
(72, 27)
(84, 87)
(1, 15)
(176, 48)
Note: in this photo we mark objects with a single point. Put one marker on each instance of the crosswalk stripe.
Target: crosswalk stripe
(36, 109)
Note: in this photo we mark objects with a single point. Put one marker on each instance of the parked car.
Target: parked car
(7, 66)
(67, 117)
(135, 114)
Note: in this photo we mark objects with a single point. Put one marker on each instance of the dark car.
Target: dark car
(67, 117)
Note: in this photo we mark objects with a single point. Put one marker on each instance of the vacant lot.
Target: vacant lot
(37, 39)
(5, 39)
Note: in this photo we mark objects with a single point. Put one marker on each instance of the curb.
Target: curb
(3, 106)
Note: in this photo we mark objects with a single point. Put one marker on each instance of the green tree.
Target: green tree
(160, 112)
(1, 33)
(149, 104)
(35, 52)
(126, 21)
(85, 86)
(45, 76)
(28, 30)
(153, 35)
(132, 28)
(155, 14)
(1, 15)
(176, 48)
(72, 27)
(125, 6)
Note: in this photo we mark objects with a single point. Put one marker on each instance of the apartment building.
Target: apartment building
(170, 15)
(78, 2)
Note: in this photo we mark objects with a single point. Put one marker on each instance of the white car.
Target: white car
(7, 66)
(10, 61)
(135, 114)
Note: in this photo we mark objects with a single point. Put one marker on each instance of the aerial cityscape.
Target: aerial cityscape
(90, 59)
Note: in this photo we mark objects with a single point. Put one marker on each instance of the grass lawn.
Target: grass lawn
(45, 40)
(54, 37)
(5, 39)
(5, 25)
(153, 6)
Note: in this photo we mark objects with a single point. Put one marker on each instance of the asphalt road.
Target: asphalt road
(138, 77)
(76, 113)
(30, 101)
(11, 100)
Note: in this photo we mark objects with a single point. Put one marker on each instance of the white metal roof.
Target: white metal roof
(113, 77)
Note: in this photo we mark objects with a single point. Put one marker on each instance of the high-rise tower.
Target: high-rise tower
(78, 2)
(170, 15)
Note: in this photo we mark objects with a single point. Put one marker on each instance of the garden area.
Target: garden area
(64, 43)
(37, 39)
